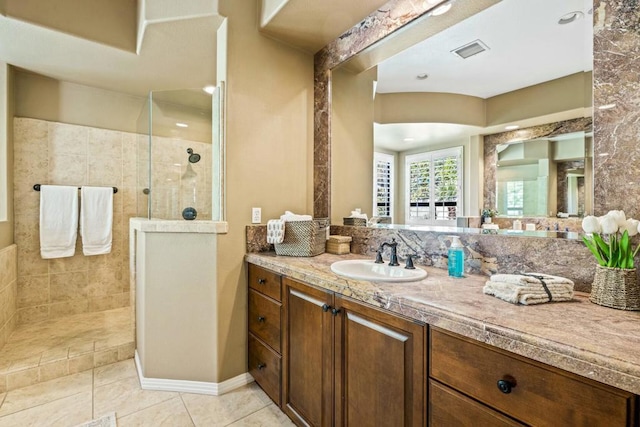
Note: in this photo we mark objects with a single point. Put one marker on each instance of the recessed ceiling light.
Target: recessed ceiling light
(408, 139)
(607, 107)
(422, 76)
(511, 127)
(209, 89)
(182, 125)
(570, 17)
(441, 10)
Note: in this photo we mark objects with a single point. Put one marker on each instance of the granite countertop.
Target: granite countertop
(595, 342)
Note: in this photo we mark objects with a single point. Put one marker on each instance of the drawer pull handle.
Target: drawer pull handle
(505, 385)
(335, 311)
(326, 307)
(261, 366)
(261, 319)
(262, 281)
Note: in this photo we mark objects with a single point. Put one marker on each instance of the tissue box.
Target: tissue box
(339, 245)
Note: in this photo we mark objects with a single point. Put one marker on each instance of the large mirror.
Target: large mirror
(402, 125)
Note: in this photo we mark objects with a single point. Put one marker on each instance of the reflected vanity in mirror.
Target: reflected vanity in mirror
(462, 102)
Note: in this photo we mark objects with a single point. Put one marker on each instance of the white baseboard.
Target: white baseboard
(185, 386)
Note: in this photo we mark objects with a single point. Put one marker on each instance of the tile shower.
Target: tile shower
(73, 314)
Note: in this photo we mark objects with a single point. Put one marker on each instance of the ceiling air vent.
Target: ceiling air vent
(470, 49)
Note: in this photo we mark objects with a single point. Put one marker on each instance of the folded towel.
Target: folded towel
(529, 288)
(290, 216)
(96, 220)
(527, 278)
(275, 231)
(58, 221)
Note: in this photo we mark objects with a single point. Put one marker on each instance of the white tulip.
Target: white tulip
(631, 226)
(591, 224)
(619, 216)
(609, 224)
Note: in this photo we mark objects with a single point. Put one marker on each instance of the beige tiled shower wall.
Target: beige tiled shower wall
(63, 154)
(8, 291)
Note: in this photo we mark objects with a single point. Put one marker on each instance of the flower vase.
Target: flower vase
(487, 220)
(616, 288)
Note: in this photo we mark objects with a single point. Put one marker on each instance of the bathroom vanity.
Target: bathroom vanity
(336, 351)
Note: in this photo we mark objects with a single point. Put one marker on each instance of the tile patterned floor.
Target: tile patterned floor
(74, 399)
(51, 349)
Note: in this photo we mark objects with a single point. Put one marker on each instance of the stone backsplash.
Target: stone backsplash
(485, 254)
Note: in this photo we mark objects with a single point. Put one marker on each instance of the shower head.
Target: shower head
(193, 157)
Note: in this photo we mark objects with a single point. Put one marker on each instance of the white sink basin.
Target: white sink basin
(368, 270)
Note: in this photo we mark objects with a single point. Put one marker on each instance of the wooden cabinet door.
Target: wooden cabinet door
(380, 367)
(308, 354)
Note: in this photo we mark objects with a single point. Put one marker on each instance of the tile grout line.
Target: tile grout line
(248, 415)
(187, 409)
(36, 406)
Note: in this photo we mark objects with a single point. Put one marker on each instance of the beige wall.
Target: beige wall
(269, 158)
(427, 107)
(41, 97)
(352, 107)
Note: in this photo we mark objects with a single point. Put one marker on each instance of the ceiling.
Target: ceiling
(526, 44)
(122, 45)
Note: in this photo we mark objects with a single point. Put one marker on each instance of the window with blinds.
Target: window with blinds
(434, 187)
(383, 172)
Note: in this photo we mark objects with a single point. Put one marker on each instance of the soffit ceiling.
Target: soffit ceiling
(176, 45)
(311, 24)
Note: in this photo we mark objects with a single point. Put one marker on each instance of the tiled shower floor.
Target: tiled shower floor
(51, 349)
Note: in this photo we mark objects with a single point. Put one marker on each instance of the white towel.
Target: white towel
(58, 221)
(356, 214)
(528, 289)
(96, 220)
(275, 231)
(290, 216)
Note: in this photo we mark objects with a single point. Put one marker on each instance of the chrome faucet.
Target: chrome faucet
(393, 258)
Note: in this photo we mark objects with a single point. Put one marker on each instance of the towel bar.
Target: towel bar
(37, 188)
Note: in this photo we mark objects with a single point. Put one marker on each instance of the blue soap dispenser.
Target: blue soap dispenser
(456, 258)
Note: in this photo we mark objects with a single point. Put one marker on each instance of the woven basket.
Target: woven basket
(356, 222)
(303, 238)
(616, 288)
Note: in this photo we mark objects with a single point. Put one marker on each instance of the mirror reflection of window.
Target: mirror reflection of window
(433, 185)
(383, 184)
(515, 198)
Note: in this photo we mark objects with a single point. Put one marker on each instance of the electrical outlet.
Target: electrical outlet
(256, 215)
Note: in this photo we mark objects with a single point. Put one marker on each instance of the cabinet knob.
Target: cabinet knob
(262, 281)
(261, 366)
(335, 311)
(261, 319)
(506, 384)
(326, 307)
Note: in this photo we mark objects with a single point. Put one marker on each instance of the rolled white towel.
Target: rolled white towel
(290, 216)
(275, 231)
(356, 214)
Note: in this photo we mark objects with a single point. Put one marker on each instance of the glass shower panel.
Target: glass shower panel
(180, 156)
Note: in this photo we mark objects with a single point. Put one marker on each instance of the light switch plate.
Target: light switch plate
(256, 215)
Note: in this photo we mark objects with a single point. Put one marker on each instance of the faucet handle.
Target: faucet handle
(409, 263)
(379, 257)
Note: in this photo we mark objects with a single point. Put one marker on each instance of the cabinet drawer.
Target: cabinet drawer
(265, 281)
(450, 408)
(265, 367)
(264, 319)
(540, 395)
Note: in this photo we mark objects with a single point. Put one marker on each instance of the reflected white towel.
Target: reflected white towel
(58, 221)
(275, 231)
(290, 216)
(96, 219)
